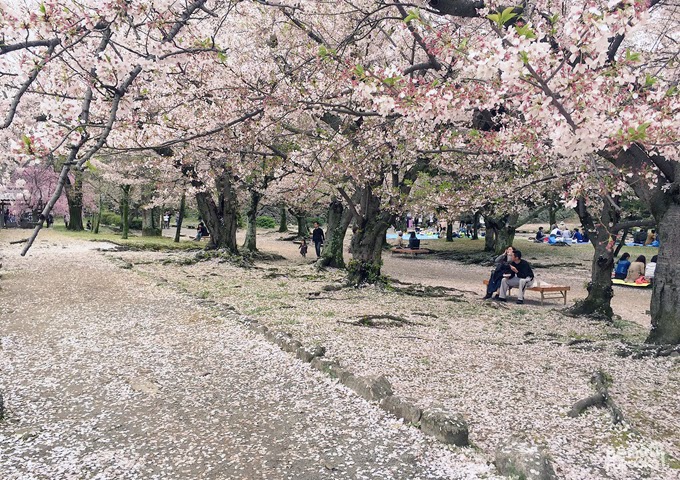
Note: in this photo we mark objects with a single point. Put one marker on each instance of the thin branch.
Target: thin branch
(31, 78)
(351, 204)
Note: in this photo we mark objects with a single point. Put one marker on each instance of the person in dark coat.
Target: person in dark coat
(501, 267)
(318, 238)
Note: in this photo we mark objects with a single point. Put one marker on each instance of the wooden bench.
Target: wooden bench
(547, 291)
(410, 251)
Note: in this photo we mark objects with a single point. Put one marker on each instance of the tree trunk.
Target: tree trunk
(220, 220)
(666, 291)
(283, 226)
(552, 216)
(598, 302)
(180, 219)
(504, 239)
(503, 233)
(491, 234)
(622, 242)
(368, 240)
(339, 218)
(303, 229)
(125, 210)
(475, 222)
(251, 232)
(74, 197)
(663, 201)
(98, 219)
(151, 222)
(449, 231)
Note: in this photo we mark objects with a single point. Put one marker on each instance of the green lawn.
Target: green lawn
(135, 240)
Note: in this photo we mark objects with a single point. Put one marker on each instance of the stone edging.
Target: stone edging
(515, 458)
(448, 428)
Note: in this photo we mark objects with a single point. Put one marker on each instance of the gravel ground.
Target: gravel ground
(511, 371)
(111, 372)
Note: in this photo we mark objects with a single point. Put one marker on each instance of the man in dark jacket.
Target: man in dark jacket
(317, 237)
(521, 277)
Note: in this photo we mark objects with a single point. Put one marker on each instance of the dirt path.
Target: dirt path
(629, 303)
(108, 374)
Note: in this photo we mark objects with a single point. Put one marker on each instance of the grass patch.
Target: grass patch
(134, 242)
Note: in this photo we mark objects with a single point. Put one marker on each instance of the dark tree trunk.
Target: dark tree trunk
(666, 291)
(622, 242)
(151, 222)
(368, 239)
(220, 222)
(251, 231)
(283, 225)
(598, 302)
(180, 219)
(302, 228)
(504, 239)
(503, 233)
(74, 197)
(491, 234)
(98, 218)
(475, 222)
(125, 210)
(552, 216)
(339, 218)
(449, 231)
(662, 198)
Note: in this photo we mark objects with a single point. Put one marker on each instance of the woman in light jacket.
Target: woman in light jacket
(636, 269)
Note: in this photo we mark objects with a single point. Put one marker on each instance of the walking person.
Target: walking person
(303, 248)
(318, 238)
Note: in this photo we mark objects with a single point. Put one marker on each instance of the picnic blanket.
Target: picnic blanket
(621, 283)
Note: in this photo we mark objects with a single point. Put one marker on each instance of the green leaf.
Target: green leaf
(502, 18)
(391, 81)
(359, 71)
(650, 81)
(43, 10)
(632, 56)
(412, 15)
(524, 56)
(526, 31)
(508, 15)
(90, 167)
(221, 56)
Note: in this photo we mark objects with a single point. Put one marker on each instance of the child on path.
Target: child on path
(303, 248)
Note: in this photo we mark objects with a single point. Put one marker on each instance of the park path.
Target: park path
(107, 374)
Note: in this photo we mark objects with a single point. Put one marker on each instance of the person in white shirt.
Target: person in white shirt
(650, 268)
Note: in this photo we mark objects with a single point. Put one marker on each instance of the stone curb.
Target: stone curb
(524, 459)
(448, 428)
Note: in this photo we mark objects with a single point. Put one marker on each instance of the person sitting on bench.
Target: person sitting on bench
(413, 242)
(521, 276)
(201, 231)
(501, 267)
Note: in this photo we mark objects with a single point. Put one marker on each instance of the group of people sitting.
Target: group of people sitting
(638, 271)
(510, 271)
(561, 235)
(645, 238)
(413, 240)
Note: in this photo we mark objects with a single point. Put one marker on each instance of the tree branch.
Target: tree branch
(31, 78)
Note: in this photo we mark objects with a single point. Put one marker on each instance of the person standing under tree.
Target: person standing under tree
(318, 238)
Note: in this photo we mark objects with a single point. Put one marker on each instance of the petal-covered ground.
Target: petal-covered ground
(512, 371)
(109, 373)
